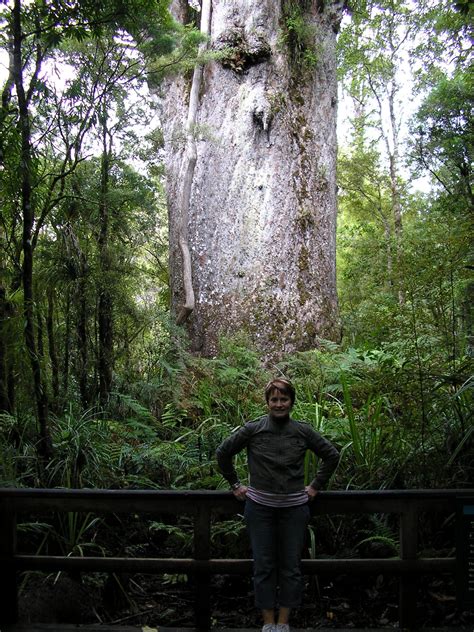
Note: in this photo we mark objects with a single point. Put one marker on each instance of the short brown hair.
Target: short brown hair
(281, 385)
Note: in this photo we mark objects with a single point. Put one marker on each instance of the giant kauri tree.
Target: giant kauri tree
(251, 158)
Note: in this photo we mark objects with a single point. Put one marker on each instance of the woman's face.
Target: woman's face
(279, 404)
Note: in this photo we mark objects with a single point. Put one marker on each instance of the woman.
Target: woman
(276, 508)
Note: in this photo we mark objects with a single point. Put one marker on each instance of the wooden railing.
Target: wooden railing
(203, 506)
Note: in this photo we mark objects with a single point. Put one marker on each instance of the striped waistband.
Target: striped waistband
(277, 500)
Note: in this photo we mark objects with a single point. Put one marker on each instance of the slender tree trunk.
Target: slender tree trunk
(5, 404)
(39, 334)
(468, 318)
(83, 354)
(387, 231)
(105, 321)
(53, 356)
(390, 137)
(11, 386)
(45, 444)
(262, 208)
(67, 343)
(4, 399)
(394, 185)
(8, 346)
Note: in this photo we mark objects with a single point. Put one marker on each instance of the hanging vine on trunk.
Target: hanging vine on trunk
(187, 171)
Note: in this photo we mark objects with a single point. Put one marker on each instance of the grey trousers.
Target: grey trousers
(277, 537)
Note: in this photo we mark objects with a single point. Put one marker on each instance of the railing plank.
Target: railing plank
(202, 553)
(201, 504)
(8, 579)
(228, 566)
(105, 500)
(408, 553)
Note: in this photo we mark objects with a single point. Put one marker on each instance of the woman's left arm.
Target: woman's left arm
(329, 456)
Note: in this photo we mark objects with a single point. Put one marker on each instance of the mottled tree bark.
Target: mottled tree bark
(262, 211)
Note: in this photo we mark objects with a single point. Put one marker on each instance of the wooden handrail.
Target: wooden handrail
(202, 505)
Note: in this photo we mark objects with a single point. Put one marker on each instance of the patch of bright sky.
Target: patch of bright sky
(3, 66)
(409, 104)
(406, 103)
(60, 74)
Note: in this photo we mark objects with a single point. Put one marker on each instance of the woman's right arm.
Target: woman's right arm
(236, 442)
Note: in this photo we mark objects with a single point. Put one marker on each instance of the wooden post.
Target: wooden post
(408, 551)
(202, 550)
(8, 580)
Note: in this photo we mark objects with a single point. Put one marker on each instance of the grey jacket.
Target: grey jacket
(276, 452)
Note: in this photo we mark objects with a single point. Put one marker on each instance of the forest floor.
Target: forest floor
(343, 602)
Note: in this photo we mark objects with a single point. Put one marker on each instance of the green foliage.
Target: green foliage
(396, 397)
(367, 401)
(299, 36)
(92, 227)
(446, 41)
(184, 55)
(18, 466)
(179, 537)
(223, 384)
(387, 411)
(371, 432)
(82, 454)
(75, 534)
(444, 133)
(379, 535)
(406, 284)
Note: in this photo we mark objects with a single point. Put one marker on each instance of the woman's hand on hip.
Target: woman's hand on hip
(311, 492)
(240, 493)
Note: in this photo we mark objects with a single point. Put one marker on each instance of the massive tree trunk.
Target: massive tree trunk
(261, 218)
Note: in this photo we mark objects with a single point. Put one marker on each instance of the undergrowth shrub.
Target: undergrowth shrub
(400, 416)
(19, 461)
